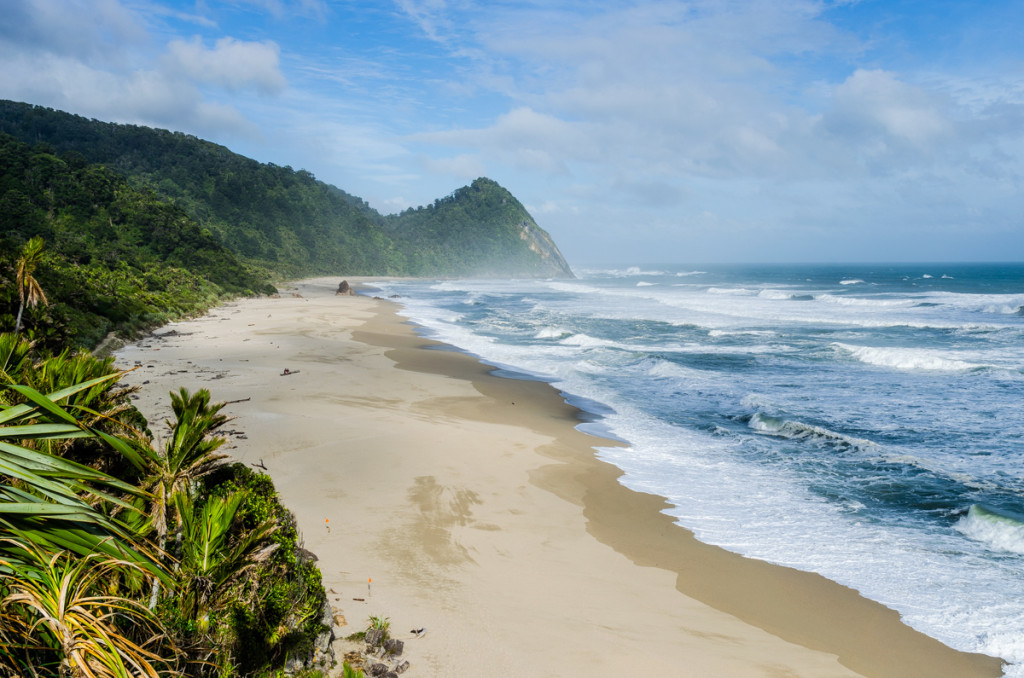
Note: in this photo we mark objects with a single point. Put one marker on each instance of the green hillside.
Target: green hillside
(447, 235)
(115, 258)
(294, 225)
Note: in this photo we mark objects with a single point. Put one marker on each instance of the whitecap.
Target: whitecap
(907, 358)
(996, 530)
(586, 341)
(552, 333)
(797, 430)
(851, 281)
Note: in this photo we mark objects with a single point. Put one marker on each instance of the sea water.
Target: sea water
(862, 422)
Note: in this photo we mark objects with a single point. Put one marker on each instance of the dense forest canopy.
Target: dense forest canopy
(289, 221)
(114, 257)
(141, 225)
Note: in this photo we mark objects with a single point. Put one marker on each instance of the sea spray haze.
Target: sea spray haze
(863, 422)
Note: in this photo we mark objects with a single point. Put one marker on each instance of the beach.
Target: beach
(446, 498)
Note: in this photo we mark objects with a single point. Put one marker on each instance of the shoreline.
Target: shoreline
(539, 559)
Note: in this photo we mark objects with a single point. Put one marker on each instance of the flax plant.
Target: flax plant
(53, 599)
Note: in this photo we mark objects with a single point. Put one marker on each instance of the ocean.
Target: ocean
(865, 422)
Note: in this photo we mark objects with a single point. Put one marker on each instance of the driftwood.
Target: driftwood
(240, 400)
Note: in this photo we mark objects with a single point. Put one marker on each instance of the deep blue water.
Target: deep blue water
(864, 422)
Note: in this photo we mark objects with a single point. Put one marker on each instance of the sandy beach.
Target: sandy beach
(480, 513)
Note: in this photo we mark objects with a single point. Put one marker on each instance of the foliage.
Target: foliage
(64, 561)
(382, 624)
(116, 258)
(52, 614)
(283, 595)
(29, 291)
(288, 222)
(349, 672)
(480, 230)
(238, 594)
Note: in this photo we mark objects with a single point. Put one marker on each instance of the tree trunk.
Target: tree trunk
(154, 594)
(17, 323)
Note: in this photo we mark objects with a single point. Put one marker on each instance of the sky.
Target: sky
(643, 131)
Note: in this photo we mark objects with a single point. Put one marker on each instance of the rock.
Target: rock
(345, 289)
(394, 647)
(401, 668)
(373, 638)
(378, 670)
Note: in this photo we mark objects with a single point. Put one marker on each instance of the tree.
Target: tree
(30, 293)
(189, 453)
(61, 554)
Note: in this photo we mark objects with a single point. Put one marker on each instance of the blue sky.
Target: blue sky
(634, 132)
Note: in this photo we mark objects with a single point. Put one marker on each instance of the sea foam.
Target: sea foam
(999, 531)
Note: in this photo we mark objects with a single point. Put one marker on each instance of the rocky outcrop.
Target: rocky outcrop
(321, 658)
(537, 239)
(344, 289)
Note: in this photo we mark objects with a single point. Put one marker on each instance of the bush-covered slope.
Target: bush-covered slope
(115, 257)
(293, 224)
(447, 234)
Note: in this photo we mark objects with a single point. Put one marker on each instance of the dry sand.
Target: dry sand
(482, 514)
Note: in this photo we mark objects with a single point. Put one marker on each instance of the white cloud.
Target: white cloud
(464, 167)
(231, 64)
(877, 105)
(90, 30)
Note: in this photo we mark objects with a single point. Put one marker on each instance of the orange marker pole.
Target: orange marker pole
(327, 522)
(368, 583)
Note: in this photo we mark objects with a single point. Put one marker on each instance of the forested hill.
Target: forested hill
(291, 224)
(112, 257)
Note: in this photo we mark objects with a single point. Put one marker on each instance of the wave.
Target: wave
(910, 359)
(796, 430)
(775, 295)
(851, 281)
(732, 291)
(1002, 531)
(867, 301)
(587, 341)
(741, 333)
(552, 333)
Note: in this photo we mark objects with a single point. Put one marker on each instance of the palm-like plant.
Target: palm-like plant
(214, 557)
(189, 453)
(30, 293)
(15, 358)
(57, 545)
(42, 496)
(52, 599)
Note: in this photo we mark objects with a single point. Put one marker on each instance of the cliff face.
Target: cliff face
(539, 242)
(287, 222)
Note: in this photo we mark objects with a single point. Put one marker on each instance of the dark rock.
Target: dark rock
(394, 647)
(401, 668)
(345, 289)
(378, 670)
(373, 638)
